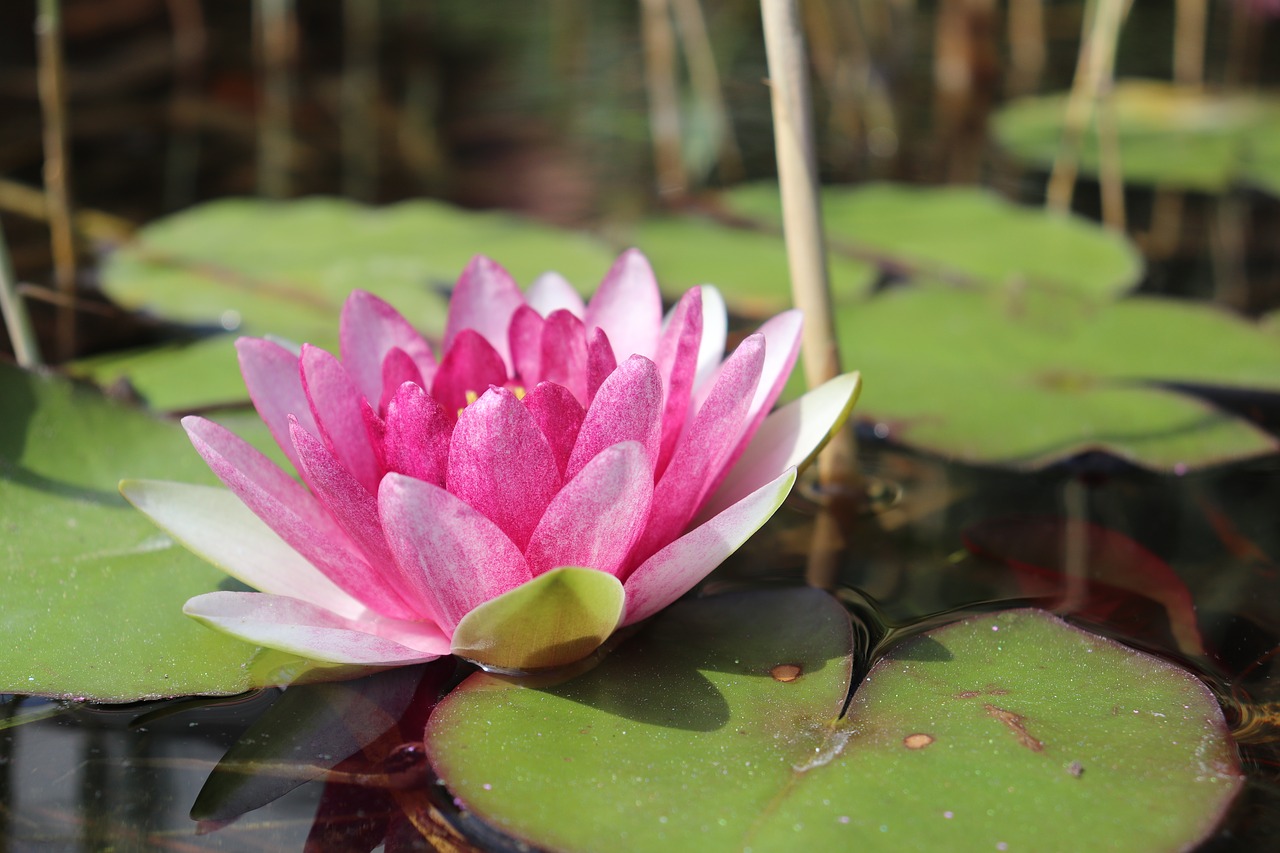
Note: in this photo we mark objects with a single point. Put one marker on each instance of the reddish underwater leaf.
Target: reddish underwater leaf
(1120, 584)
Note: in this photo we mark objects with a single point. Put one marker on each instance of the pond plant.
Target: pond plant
(564, 469)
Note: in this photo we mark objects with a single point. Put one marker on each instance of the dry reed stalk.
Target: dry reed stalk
(359, 98)
(704, 77)
(51, 75)
(664, 97)
(26, 349)
(276, 31)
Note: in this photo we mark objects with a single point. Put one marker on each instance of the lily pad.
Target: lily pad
(1169, 135)
(719, 728)
(93, 592)
(1030, 380)
(260, 267)
(748, 265)
(965, 235)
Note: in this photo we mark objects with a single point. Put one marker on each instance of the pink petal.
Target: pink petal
(397, 369)
(677, 362)
(788, 438)
(550, 292)
(564, 353)
(356, 511)
(600, 362)
(679, 566)
(596, 517)
(704, 447)
(214, 524)
(291, 511)
(501, 465)
(368, 330)
(452, 554)
(525, 338)
(782, 346)
(628, 407)
(484, 300)
(294, 626)
(469, 364)
(336, 405)
(417, 435)
(271, 374)
(628, 307)
(559, 415)
(715, 332)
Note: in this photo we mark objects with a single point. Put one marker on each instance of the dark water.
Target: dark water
(126, 778)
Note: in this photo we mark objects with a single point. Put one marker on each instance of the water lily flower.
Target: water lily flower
(562, 470)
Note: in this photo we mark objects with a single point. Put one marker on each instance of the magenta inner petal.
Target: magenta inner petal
(416, 441)
(678, 362)
(336, 407)
(484, 300)
(564, 353)
(368, 330)
(525, 338)
(559, 416)
(600, 362)
(448, 551)
(628, 307)
(501, 465)
(272, 376)
(628, 407)
(470, 365)
(597, 516)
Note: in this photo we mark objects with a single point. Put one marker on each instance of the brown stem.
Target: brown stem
(21, 336)
(664, 98)
(57, 168)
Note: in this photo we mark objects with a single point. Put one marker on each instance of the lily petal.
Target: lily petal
(715, 334)
(789, 438)
(397, 368)
(370, 328)
(678, 567)
(292, 512)
(559, 415)
(339, 416)
(525, 339)
(500, 464)
(597, 516)
(216, 525)
(628, 407)
(416, 442)
(600, 362)
(552, 292)
(628, 307)
(271, 374)
(484, 299)
(471, 364)
(303, 629)
(703, 447)
(356, 511)
(564, 353)
(678, 362)
(454, 556)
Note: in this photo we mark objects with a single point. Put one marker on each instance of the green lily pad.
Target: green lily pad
(1169, 135)
(93, 592)
(962, 234)
(284, 268)
(1029, 380)
(718, 727)
(747, 265)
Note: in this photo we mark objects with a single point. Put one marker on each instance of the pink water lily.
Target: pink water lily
(562, 470)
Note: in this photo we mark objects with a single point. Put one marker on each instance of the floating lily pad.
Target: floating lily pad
(1028, 380)
(963, 234)
(93, 592)
(284, 268)
(718, 728)
(1169, 135)
(747, 265)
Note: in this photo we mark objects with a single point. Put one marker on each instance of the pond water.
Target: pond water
(549, 119)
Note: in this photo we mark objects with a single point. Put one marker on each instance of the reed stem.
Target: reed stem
(51, 77)
(26, 350)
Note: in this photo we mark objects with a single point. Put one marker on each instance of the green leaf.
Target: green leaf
(718, 728)
(558, 618)
(963, 234)
(1169, 135)
(1032, 380)
(93, 592)
(748, 266)
(284, 268)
